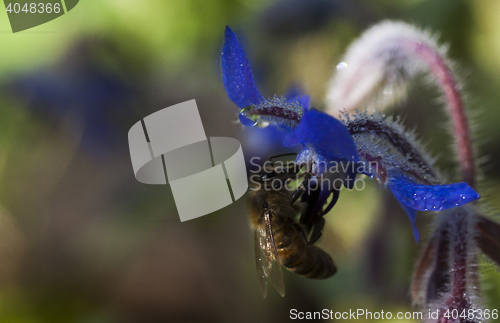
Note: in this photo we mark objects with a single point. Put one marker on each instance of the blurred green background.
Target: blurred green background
(82, 241)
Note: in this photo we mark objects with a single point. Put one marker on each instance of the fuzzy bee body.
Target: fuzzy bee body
(280, 238)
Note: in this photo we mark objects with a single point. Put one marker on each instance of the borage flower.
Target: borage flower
(372, 145)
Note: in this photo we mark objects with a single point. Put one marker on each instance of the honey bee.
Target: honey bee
(282, 228)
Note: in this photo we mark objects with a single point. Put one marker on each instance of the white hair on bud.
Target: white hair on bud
(378, 67)
(368, 142)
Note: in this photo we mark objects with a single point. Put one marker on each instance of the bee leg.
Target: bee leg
(301, 232)
(296, 195)
(300, 189)
(317, 229)
(335, 198)
(308, 215)
(268, 175)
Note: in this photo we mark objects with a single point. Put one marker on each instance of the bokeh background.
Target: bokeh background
(82, 241)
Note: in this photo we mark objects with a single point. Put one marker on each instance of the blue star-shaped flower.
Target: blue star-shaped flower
(324, 138)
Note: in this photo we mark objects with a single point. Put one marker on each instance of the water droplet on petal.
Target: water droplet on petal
(247, 119)
(341, 66)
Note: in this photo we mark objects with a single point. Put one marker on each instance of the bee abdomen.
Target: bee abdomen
(312, 263)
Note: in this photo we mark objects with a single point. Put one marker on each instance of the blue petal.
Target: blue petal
(236, 73)
(326, 135)
(318, 164)
(412, 214)
(430, 197)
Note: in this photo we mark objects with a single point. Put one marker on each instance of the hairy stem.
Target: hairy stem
(455, 107)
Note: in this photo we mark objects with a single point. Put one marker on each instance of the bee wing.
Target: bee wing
(260, 259)
(272, 259)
